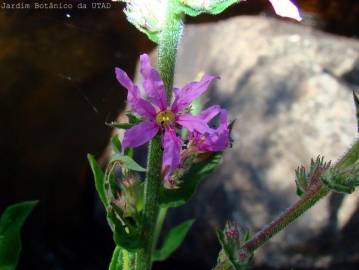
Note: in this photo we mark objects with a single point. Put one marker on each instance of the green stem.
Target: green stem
(167, 50)
(150, 211)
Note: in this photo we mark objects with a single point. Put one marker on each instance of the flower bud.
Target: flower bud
(232, 240)
(147, 16)
(130, 199)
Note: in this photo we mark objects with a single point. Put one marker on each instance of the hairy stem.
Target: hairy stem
(310, 198)
(150, 211)
(287, 217)
(167, 50)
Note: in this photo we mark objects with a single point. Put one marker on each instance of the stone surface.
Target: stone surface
(289, 87)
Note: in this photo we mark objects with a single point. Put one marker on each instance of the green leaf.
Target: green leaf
(117, 260)
(170, 198)
(172, 241)
(133, 119)
(222, 241)
(196, 7)
(11, 222)
(116, 143)
(99, 180)
(127, 162)
(301, 180)
(119, 125)
(129, 152)
(350, 157)
(125, 236)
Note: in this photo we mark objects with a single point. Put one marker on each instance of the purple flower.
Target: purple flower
(159, 115)
(215, 141)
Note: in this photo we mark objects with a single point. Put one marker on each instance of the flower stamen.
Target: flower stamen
(165, 118)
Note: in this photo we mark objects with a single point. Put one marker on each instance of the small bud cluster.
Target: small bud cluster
(338, 179)
(129, 199)
(311, 179)
(232, 239)
(342, 180)
(146, 16)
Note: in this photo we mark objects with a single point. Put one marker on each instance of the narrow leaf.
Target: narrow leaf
(172, 240)
(11, 223)
(119, 125)
(133, 119)
(170, 198)
(127, 162)
(99, 179)
(116, 143)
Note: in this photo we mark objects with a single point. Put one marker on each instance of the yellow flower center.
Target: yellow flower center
(165, 118)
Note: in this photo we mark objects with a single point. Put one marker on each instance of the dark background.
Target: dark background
(57, 89)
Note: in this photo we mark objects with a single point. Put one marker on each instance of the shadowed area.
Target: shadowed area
(57, 91)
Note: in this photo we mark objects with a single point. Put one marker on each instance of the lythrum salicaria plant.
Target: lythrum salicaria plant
(183, 149)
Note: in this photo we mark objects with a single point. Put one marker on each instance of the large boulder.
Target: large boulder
(290, 89)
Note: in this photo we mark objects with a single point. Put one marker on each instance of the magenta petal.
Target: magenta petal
(193, 123)
(223, 120)
(144, 108)
(286, 8)
(209, 113)
(219, 140)
(215, 142)
(152, 83)
(126, 82)
(171, 153)
(185, 96)
(139, 134)
(138, 104)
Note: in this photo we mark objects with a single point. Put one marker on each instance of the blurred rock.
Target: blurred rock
(290, 89)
